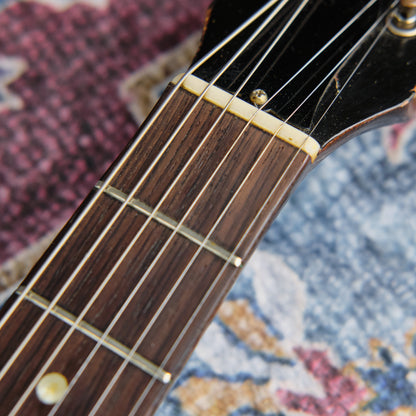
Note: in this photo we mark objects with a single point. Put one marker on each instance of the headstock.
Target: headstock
(359, 74)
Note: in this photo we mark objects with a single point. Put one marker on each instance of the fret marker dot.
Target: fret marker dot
(51, 388)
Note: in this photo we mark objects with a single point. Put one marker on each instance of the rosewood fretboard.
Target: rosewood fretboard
(174, 281)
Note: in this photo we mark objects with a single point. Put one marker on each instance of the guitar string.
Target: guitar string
(255, 55)
(157, 314)
(74, 380)
(144, 226)
(242, 240)
(129, 152)
(114, 170)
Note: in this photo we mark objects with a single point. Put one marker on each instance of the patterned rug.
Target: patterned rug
(323, 319)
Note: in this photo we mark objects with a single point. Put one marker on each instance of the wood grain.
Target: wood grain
(252, 180)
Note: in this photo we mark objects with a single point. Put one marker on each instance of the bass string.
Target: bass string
(160, 309)
(213, 285)
(117, 168)
(72, 277)
(128, 153)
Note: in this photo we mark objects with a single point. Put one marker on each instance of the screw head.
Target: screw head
(258, 97)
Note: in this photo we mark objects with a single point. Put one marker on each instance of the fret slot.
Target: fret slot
(95, 334)
(173, 225)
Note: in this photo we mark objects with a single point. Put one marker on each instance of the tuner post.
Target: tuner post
(403, 19)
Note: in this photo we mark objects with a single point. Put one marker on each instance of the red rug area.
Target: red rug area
(62, 120)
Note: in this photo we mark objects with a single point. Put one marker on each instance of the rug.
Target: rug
(323, 319)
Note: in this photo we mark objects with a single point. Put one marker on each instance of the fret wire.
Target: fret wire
(183, 274)
(95, 334)
(168, 222)
(107, 181)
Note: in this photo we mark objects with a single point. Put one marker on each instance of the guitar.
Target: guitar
(116, 305)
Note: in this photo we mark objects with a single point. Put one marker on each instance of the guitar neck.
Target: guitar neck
(121, 305)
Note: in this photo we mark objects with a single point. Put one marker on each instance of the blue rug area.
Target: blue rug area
(333, 285)
(5, 3)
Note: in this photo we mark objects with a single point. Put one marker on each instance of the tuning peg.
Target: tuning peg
(408, 3)
(403, 19)
(407, 8)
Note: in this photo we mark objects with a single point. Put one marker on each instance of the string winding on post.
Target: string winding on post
(403, 19)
